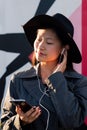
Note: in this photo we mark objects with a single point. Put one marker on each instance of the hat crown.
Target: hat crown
(59, 22)
(66, 23)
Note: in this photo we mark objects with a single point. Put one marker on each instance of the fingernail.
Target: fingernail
(39, 109)
(34, 107)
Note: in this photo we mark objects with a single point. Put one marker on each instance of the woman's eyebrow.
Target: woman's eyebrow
(50, 38)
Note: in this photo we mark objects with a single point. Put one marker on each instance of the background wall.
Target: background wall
(15, 50)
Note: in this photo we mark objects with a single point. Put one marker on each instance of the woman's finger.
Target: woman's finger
(30, 115)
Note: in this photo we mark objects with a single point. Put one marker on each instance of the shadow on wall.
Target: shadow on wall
(17, 43)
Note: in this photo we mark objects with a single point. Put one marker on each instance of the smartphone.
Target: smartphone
(22, 103)
(61, 56)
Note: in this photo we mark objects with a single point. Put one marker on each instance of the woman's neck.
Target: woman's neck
(46, 69)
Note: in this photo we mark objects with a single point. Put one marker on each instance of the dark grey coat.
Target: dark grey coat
(64, 96)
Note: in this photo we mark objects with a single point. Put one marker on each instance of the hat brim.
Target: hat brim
(45, 21)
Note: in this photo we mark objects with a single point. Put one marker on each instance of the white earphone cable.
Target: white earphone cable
(43, 94)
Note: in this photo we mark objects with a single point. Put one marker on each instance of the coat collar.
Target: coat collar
(33, 72)
(72, 74)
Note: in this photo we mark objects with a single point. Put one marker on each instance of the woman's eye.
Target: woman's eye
(49, 43)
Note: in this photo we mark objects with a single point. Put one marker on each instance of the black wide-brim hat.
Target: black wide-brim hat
(61, 23)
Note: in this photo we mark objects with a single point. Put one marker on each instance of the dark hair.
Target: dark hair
(34, 61)
(64, 42)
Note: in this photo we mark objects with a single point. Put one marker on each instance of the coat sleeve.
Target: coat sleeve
(70, 106)
(9, 118)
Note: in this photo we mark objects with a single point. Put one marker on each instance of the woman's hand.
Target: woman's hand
(62, 66)
(29, 116)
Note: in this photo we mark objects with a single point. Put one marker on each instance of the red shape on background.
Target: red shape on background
(85, 121)
(84, 37)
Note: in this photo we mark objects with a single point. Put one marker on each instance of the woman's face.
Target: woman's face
(47, 46)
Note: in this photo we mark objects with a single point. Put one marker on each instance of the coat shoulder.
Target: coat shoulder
(24, 74)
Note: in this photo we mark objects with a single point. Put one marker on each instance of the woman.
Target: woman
(57, 93)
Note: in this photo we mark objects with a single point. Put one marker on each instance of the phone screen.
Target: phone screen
(22, 103)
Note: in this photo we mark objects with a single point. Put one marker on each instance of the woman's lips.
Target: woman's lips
(41, 54)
